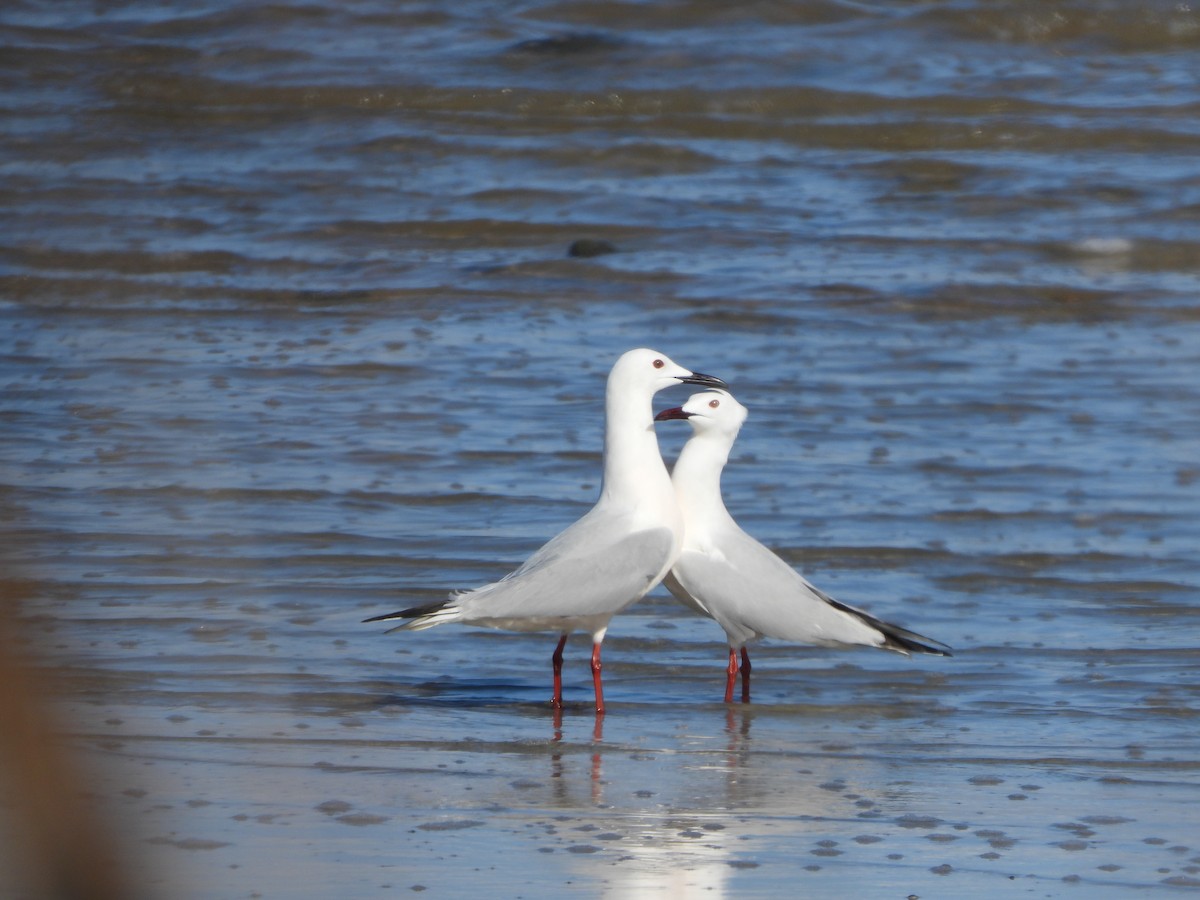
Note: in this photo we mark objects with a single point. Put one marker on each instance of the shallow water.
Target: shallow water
(291, 336)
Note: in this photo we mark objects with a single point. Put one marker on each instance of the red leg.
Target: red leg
(746, 669)
(556, 700)
(596, 679)
(731, 671)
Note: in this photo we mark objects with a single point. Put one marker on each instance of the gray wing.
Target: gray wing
(753, 593)
(595, 567)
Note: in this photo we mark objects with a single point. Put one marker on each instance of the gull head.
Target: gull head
(714, 411)
(646, 372)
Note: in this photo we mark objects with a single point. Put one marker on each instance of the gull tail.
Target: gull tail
(894, 637)
(422, 617)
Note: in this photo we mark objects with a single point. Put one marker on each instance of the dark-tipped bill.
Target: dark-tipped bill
(676, 413)
(704, 380)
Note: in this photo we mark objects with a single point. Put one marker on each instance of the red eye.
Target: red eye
(714, 403)
(658, 364)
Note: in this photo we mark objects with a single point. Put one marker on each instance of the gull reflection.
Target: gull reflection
(679, 800)
(668, 847)
(558, 769)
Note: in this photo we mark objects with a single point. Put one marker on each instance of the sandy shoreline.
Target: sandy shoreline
(450, 786)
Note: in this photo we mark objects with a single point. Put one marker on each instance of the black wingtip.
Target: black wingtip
(894, 637)
(907, 641)
(412, 612)
(385, 617)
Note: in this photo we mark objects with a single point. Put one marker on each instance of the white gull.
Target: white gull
(724, 573)
(609, 558)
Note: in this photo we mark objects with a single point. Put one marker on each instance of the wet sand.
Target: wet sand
(313, 768)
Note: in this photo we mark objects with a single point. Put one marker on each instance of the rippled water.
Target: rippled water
(291, 335)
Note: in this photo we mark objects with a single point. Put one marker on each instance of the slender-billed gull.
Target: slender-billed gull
(724, 573)
(608, 559)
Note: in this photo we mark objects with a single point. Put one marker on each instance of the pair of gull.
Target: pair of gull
(649, 527)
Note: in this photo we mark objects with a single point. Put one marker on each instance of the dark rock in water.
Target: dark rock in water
(571, 42)
(586, 247)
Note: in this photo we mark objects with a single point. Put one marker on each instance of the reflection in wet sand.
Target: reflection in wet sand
(672, 853)
(649, 797)
(698, 838)
(557, 769)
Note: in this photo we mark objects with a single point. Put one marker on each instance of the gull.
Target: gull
(725, 574)
(606, 560)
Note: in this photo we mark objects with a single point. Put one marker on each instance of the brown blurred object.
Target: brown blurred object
(66, 850)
